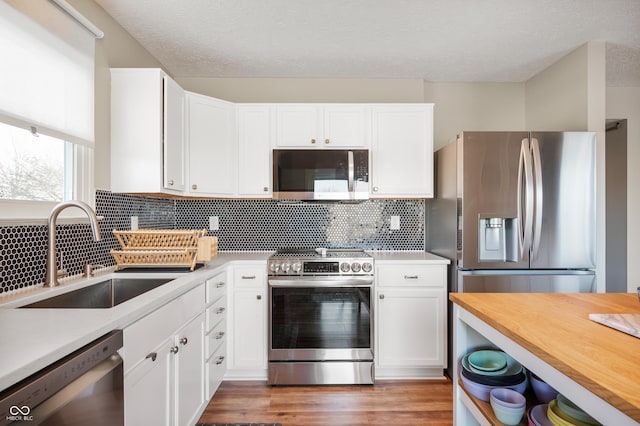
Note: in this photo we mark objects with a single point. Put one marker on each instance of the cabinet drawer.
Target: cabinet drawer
(215, 287)
(412, 275)
(215, 313)
(148, 332)
(250, 277)
(216, 367)
(215, 338)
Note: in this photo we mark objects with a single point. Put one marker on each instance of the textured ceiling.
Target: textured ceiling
(438, 40)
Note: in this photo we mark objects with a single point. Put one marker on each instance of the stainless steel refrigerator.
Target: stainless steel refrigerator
(515, 211)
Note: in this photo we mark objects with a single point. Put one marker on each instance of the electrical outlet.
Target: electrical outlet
(214, 223)
(395, 223)
(134, 223)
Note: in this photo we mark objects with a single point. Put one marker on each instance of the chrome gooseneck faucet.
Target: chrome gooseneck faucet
(51, 279)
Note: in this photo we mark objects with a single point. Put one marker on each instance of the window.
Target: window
(46, 108)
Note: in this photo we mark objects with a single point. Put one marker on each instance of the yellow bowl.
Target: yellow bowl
(560, 418)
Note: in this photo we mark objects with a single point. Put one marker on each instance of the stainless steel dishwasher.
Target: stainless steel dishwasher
(83, 388)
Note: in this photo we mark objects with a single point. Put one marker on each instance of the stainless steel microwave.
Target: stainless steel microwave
(321, 174)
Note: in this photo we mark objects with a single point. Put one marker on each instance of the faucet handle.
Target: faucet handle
(89, 269)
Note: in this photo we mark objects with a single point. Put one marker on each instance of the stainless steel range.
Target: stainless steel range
(320, 317)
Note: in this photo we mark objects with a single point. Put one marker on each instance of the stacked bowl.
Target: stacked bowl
(508, 405)
(484, 370)
(562, 412)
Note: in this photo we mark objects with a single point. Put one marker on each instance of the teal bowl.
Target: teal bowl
(487, 360)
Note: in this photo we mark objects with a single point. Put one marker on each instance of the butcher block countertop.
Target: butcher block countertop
(556, 328)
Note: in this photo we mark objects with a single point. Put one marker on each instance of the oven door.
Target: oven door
(321, 319)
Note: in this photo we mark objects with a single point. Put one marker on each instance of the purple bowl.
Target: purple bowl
(507, 398)
(544, 393)
(481, 391)
(538, 415)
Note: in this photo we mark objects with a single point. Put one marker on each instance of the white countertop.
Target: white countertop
(382, 257)
(35, 338)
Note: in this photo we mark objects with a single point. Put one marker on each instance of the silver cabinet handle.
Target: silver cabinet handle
(219, 335)
(327, 141)
(219, 360)
(152, 355)
(381, 296)
(259, 297)
(265, 189)
(170, 182)
(184, 341)
(219, 311)
(375, 189)
(194, 186)
(220, 284)
(410, 277)
(313, 141)
(175, 350)
(248, 277)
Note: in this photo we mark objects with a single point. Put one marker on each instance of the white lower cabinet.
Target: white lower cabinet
(411, 321)
(146, 389)
(215, 348)
(164, 364)
(248, 337)
(188, 373)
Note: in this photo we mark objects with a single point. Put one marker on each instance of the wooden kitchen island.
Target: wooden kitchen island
(595, 366)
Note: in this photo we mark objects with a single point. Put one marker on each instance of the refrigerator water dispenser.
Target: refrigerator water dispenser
(498, 239)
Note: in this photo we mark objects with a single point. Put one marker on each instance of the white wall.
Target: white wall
(624, 102)
(474, 106)
(307, 89)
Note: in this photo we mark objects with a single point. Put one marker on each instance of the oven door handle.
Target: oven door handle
(324, 282)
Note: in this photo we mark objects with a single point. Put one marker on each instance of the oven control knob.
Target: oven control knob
(345, 267)
(274, 267)
(355, 267)
(367, 267)
(296, 267)
(286, 267)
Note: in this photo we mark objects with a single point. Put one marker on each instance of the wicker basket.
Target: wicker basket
(157, 247)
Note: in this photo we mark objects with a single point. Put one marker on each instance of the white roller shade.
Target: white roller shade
(46, 70)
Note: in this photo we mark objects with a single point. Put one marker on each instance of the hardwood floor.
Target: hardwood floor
(388, 402)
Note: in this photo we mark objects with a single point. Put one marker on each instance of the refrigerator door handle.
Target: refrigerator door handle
(537, 169)
(525, 198)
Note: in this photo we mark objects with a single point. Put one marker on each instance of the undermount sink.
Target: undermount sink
(105, 294)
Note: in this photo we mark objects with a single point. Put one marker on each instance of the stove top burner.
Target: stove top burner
(321, 261)
(319, 253)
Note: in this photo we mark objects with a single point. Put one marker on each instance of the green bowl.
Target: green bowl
(488, 360)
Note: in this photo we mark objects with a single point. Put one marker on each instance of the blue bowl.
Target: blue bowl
(487, 360)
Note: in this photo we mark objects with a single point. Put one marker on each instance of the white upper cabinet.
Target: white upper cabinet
(211, 136)
(254, 151)
(322, 126)
(174, 143)
(402, 151)
(147, 128)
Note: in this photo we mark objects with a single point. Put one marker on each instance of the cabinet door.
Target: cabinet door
(189, 372)
(298, 126)
(136, 130)
(146, 390)
(254, 151)
(212, 146)
(411, 327)
(345, 126)
(402, 151)
(174, 146)
(249, 329)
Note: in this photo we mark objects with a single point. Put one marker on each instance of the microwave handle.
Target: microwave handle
(351, 171)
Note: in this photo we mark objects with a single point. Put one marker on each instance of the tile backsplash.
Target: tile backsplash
(245, 225)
